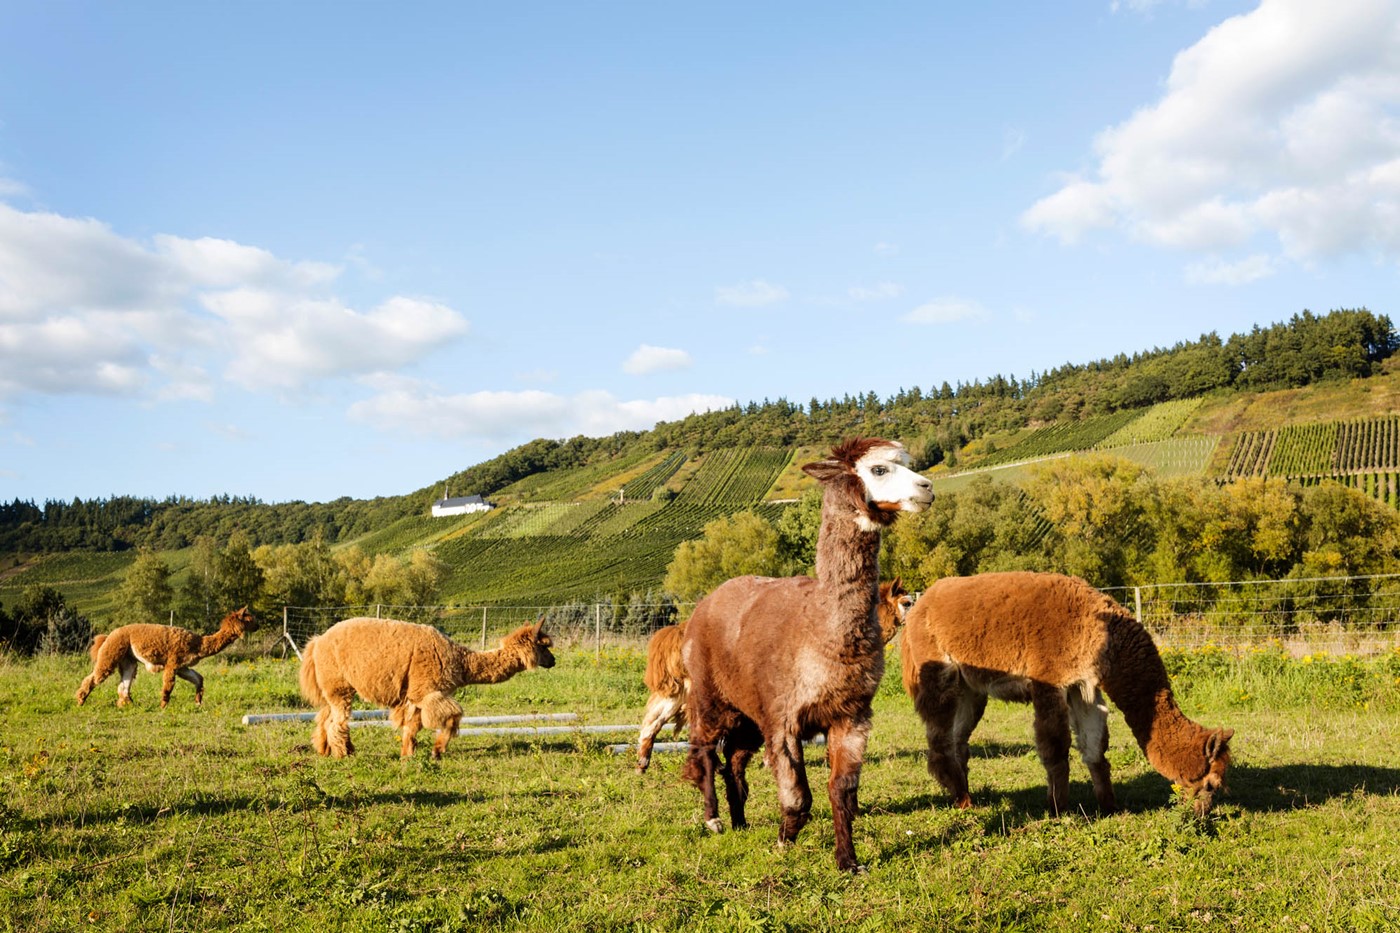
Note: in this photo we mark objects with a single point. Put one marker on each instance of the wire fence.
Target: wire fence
(1334, 615)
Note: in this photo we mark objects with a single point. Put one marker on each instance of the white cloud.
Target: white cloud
(755, 294)
(648, 359)
(1218, 272)
(411, 406)
(1280, 128)
(1012, 139)
(945, 311)
(86, 310)
(879, 292)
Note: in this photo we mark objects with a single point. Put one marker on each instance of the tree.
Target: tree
(239, 578)
(145, 594)
(736, 546)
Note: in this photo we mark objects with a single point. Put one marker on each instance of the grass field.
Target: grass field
(139, 819)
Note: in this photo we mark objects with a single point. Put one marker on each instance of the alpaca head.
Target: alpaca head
(241, 621)
(531, 644)
(875, 478)
(893, 606)
(1201, 790)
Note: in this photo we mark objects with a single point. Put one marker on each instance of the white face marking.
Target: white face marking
(887, 478)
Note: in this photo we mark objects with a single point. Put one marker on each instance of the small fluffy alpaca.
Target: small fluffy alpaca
(164, 649)
(665, 673)
(411, 669)
(1052, 641)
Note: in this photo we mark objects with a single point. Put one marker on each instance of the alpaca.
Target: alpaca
(776, 661)
(165, 649)
(412, 669)
(1055, 642)
(665, 674)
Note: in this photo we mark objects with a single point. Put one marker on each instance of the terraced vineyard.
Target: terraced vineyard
(1158, 423)
(568, 550)
(1061, 437)
(1321, 449)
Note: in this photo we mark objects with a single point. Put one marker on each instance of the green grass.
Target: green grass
(139, 819)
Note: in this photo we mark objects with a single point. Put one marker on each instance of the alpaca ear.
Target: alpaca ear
(824, 470)
(1218, 743)
(897, 588)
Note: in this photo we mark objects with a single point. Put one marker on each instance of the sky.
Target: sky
(306, 250)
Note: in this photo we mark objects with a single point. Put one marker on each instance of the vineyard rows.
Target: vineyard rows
(1061, 437)
(1321, 450)
(1158, 423)
(1181, 456)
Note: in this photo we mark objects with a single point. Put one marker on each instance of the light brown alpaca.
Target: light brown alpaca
(164, 649)
(665, 674)
(411, 669)
(776, 661)
(1052, 641)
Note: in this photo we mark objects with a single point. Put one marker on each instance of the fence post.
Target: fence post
(597, 630)
(1137, 603)
(483, 628)
(377, 608)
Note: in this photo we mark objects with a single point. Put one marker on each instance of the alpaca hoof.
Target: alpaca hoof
(964, 802)
(715, 825)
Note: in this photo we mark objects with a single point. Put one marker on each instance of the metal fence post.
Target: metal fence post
(483, 628)
(597, 630)
(1137, 603)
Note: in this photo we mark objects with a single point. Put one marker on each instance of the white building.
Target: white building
(460, 505)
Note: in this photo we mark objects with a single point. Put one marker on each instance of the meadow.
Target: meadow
(185, 819)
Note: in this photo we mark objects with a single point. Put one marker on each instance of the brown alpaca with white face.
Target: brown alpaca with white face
(411, 669)
(776, 661)
(1052, 641)
(167, 650)
(665, 673)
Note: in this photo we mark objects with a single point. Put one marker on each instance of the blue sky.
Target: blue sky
(307, 250)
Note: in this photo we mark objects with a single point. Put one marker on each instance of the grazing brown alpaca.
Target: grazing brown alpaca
(777, 661)
(1052, 641)
(666, 679)
(411, 669)
(164, 649)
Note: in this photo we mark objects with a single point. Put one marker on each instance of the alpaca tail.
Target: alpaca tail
(96, 647)
(310, 687)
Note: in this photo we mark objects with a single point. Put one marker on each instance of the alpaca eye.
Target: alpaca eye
(879, 470)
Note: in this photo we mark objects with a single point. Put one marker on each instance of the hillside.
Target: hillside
(588, 517)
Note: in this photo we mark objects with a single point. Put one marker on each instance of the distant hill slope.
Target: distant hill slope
(586, 517)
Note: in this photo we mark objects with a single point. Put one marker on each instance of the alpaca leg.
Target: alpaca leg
(193, 677)
(709, 722)
(1052, 741)
(338, 725)
(167, 684)
(1089, 719)
(318, 732)
(942, 701)
(660, 709)
(846, 751)
(410, 718)
(971, 706)
(128, 668)
(102, 666)
(790, 774)
(739, 747)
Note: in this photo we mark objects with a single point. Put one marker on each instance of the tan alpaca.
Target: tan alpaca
(665, 673)
(411, 669)
(164, 649)
(1052, 641)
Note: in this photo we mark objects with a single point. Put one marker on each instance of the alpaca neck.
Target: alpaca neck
(487, 667)
(1138, 685)
(213, 644)
(848, 570)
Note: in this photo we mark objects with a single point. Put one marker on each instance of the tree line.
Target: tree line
(935, 423)
(1108, 520)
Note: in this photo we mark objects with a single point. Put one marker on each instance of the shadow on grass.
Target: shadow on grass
(1297, 786)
